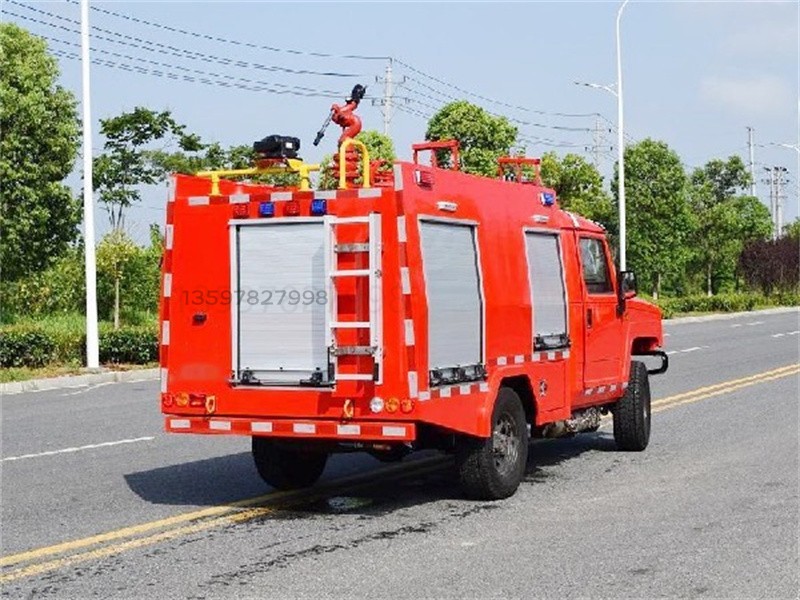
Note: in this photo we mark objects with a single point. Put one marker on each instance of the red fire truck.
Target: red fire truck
(419, 307)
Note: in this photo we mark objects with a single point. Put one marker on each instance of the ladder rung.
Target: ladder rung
(350, 325)
(350, 248)
(350, 273)
(353, 350)
(346, 220)
(354, 377)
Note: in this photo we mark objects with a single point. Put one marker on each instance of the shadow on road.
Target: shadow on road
(225, 479)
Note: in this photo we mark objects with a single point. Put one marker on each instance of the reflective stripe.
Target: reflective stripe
(394, 431)
(444, 392)
(501, 360)
(398, 178)
(198, 200)
(239, 198)
(168, 233)
(262, 427)
(519, 358)
(424, 396)
(220, 425)
(409, 326)
(163, 381)
(179, 423)
(348, 429)
(167, 285)
(412, 384)
(588, 392)
(165, 333)
(465, 389)
(304, 428)
(322, 195)
(279, 196)
(369, 192)
(484, 386)
(405, 280)
(401, 229)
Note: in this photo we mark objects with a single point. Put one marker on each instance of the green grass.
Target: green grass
(25, 373)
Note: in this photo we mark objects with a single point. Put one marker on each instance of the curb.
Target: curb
(72, 381)
(724, 316)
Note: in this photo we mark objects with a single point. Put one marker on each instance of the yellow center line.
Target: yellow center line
(249, 514)
(718, 392)
(203, 514)
(724, 384)
(248, 509)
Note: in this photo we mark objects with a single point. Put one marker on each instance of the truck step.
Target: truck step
(351, 248)
(354, 377)
(353, 350)
(350, 325)
(350, 273)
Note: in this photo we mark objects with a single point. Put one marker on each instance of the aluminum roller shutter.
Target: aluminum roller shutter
(546, 280)
(279, 340)
(455, 320)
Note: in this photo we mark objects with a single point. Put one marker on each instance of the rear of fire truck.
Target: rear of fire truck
(358, 318)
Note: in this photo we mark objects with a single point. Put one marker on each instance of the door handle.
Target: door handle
(589, 312)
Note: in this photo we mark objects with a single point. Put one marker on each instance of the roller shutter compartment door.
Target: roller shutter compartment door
(455, 319)
(548, 296)
(281, 338)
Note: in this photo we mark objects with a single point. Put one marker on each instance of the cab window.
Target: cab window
(595, 266)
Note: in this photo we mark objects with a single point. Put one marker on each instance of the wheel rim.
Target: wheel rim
(505, 444)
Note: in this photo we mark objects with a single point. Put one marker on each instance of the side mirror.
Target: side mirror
(626, 289)
(627, 284)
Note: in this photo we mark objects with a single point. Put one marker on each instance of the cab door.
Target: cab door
(602, 326)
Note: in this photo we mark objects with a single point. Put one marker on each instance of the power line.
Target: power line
(172, 50)
(289, 89)
(224, 40)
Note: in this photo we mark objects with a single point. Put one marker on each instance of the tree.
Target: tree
(482, 137)
(771, 265)
(725, 221)
(115, 252)
(127, 163)
(39, 142)
(379, 146)
(659, 219)
(792, 230)
(579, 187)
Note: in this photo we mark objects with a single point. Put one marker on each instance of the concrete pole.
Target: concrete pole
(92, 341)
(621, 149)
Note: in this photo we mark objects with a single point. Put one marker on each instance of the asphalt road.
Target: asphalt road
(98, 503)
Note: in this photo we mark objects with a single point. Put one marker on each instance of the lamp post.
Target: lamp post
(616, 90)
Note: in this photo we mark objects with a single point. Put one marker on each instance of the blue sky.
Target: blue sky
(696, 74)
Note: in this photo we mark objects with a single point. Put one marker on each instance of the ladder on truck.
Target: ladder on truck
(333, 274)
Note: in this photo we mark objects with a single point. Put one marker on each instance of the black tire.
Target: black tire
(285, 467)
(632, 412)
(492, 468)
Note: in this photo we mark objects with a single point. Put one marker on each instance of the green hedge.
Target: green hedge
(723, 303)
(32, 346)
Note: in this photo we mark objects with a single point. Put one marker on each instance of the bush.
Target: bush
(723, 303)
(135, 345)
(26, 348)
(62, 341)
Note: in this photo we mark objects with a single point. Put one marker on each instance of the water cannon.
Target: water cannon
(344, 116)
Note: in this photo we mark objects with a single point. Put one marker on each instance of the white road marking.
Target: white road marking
(751, 323)
(692, 349)
(672, 352)
(778, 335)
(737, 324)
(78, 448)
(88, 388)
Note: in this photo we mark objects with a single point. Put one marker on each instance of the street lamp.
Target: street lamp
(616, 91)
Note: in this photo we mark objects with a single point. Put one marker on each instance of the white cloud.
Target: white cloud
(762, 95)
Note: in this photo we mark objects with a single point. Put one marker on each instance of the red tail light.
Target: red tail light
(241, 210)
(292, 208)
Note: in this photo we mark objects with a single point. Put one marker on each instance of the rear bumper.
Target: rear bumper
(294, 428)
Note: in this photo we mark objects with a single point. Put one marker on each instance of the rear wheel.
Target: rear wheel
(492, 468)
(285, 466)
(632, 412)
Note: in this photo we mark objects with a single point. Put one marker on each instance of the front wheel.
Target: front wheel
(632, 412)
(492, 468)
(285, 466)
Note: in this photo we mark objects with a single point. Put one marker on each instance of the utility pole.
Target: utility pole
(387, 102)
(752, 161)
(776, 196)
(92, 342)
